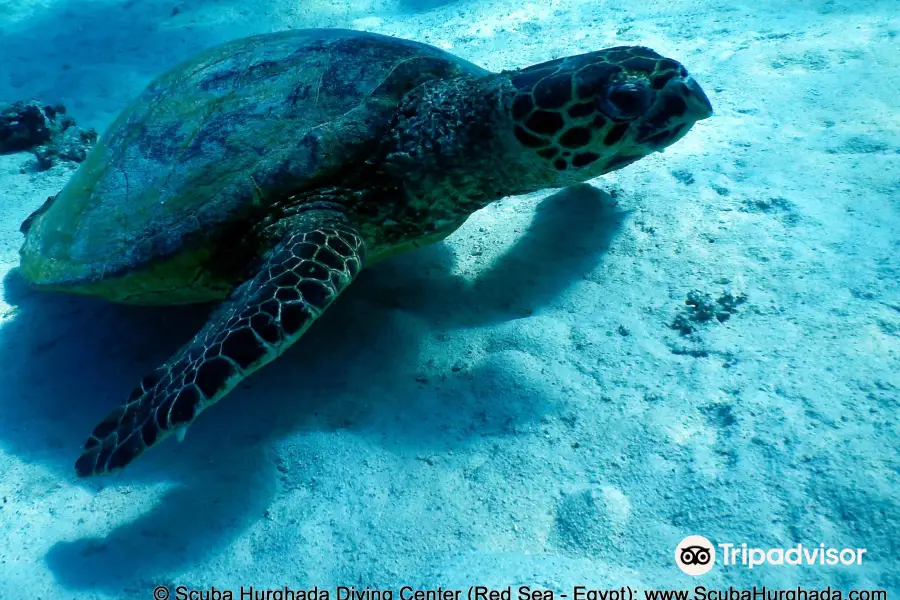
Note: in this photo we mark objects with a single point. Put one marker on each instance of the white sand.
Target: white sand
(510, 407)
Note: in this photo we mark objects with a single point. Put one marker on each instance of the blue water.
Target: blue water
(703, 343)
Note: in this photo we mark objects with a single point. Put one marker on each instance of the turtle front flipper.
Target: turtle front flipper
(317, 257)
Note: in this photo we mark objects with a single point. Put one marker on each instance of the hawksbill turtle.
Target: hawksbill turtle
(267, 171)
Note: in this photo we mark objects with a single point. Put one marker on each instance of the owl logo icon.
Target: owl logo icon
(695, 555)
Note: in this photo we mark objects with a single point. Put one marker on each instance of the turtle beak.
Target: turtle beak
(679, 105)
(699, 107)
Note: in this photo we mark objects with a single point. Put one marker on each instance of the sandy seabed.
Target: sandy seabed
(513, 406)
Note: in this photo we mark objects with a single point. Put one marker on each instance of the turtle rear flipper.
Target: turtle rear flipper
(317, 258)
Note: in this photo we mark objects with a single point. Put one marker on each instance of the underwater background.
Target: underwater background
(706, 342)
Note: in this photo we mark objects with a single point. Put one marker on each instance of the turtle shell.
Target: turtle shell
(208, 145)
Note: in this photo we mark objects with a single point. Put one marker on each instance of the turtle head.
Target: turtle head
(582, 116)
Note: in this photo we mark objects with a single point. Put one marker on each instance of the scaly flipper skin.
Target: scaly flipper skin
(317, 258)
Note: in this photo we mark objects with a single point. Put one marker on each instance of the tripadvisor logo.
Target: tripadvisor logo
(696, 555)
(795, 555)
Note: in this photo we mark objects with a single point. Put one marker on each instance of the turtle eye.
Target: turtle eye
(628, 100)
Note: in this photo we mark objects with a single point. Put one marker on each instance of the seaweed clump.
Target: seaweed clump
(699, 307)
(45, 130)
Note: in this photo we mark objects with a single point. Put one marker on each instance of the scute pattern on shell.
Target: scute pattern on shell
(210, 143)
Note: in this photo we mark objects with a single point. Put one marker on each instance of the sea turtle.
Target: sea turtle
(267, 171)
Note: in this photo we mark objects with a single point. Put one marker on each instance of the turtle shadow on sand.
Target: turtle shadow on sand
(560, 245)
(69, 360)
